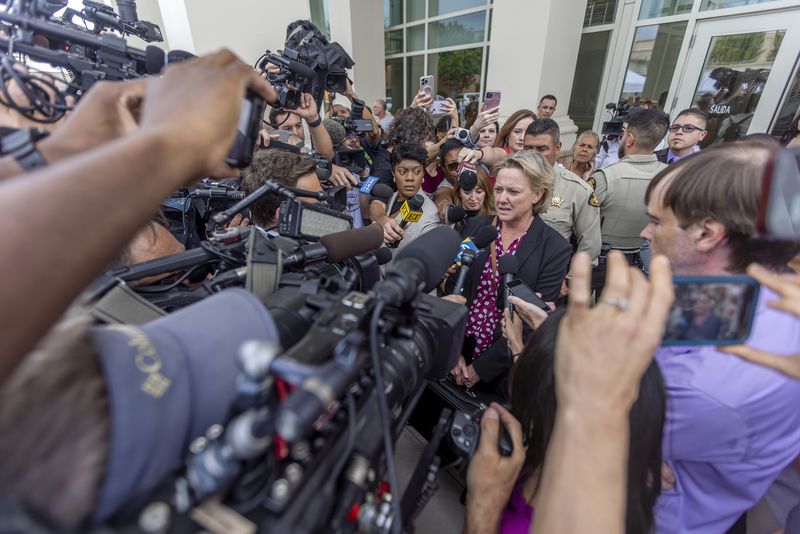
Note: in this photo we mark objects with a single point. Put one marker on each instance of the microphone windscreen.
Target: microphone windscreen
(508, 264)
(415, 203)
(382, 192)
(484, 237)
(336, 132)
(154, 59)
(435, 250)
(455, 214)
(343, 245)
(383, 255)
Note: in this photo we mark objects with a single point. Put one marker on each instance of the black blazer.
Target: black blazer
(543, 257)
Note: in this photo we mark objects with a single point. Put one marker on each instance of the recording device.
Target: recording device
(357, 123)
(711, 310)
(465, 433)
(618, 112)
(377, 191)
(519, 289)
(467, 177)
(491, 99)
(428, 84)
(301, 220)
(468, 251)
(410, 212)
(354, 160)
(127, 22)
(314, 460)
(247, 131)
(308, 63)
(508, 268)
(465, 137)
(454, 214)
(779, 213)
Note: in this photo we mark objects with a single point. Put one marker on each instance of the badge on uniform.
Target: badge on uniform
(557, 201)
(593, 200)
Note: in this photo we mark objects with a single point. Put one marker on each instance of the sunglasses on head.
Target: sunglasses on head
(687, 128)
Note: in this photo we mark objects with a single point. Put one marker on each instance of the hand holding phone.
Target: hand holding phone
(519, 289)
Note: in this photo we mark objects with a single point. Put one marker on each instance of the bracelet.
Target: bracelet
(22, 145)
(481, 151)
(314, 124)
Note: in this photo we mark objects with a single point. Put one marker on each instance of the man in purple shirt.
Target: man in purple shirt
(685, 135)
(732, 426)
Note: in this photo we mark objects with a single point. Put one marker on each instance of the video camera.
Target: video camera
(308, 63)
(104, 17)
(618, 111)
(314, 460)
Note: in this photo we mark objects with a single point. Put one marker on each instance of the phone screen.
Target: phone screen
(713, 310)
(519, 289)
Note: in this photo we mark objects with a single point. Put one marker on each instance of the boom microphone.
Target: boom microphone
(338, 246)
(507, 266)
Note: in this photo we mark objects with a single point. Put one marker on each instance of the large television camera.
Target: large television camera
(355, 364)
(613, 127)
(308, 63)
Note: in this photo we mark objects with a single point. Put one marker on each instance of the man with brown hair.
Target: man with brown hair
(732, 426)
(289, 170)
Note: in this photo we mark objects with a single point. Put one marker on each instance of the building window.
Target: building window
(599, 12)
(442, 7)
(394, 82)
(654, 55)
(415, 69)
(664, 8)
(320, 17)
(415, 38)
(588, 78)
(393, 41)
(457, 30)
(709, 5)
(415, 10)
(789, 112)
(392, 13)
(458, 73)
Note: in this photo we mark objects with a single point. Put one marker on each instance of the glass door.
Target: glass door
(736, 71)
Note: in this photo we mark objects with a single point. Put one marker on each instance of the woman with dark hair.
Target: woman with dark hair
(510, 140)
(521, 192)
(533, 403)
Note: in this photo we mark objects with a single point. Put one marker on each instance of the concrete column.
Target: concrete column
(357, 25)
(533, 52)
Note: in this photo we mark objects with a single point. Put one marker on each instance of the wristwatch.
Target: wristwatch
(315, 123)
(22, 145)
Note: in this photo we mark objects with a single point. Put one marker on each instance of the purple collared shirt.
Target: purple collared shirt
(672, 157)
(732, 426)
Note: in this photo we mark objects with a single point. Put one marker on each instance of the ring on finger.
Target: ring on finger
(621, 304)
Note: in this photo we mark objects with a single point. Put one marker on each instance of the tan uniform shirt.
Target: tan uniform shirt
(573, 211)
(620, 189)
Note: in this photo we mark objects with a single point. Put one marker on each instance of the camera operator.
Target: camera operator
(345, 137)
(292, 121)
(172, 147)
(289, 170)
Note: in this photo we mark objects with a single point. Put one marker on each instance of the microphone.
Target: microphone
(383, 255)
(411, 210)
(338, 246)
(377, 191)
(156, 59)
(419, 266)
(468, 251)
(507, 266)
(454, 214)
(482, 239)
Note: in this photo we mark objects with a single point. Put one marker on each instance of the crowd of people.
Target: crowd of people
(611, 432)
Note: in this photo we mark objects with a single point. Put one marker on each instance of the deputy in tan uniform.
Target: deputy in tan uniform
(620, 188)
(573, 211)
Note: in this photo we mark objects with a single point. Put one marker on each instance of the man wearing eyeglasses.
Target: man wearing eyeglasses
(685, 135)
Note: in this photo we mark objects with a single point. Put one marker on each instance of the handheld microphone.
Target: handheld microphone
(411, 210)
(482, 239)
(507, 266)
(338, 246)
(383, 255)
(454, 214)
(468, 251)
(375, 190)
